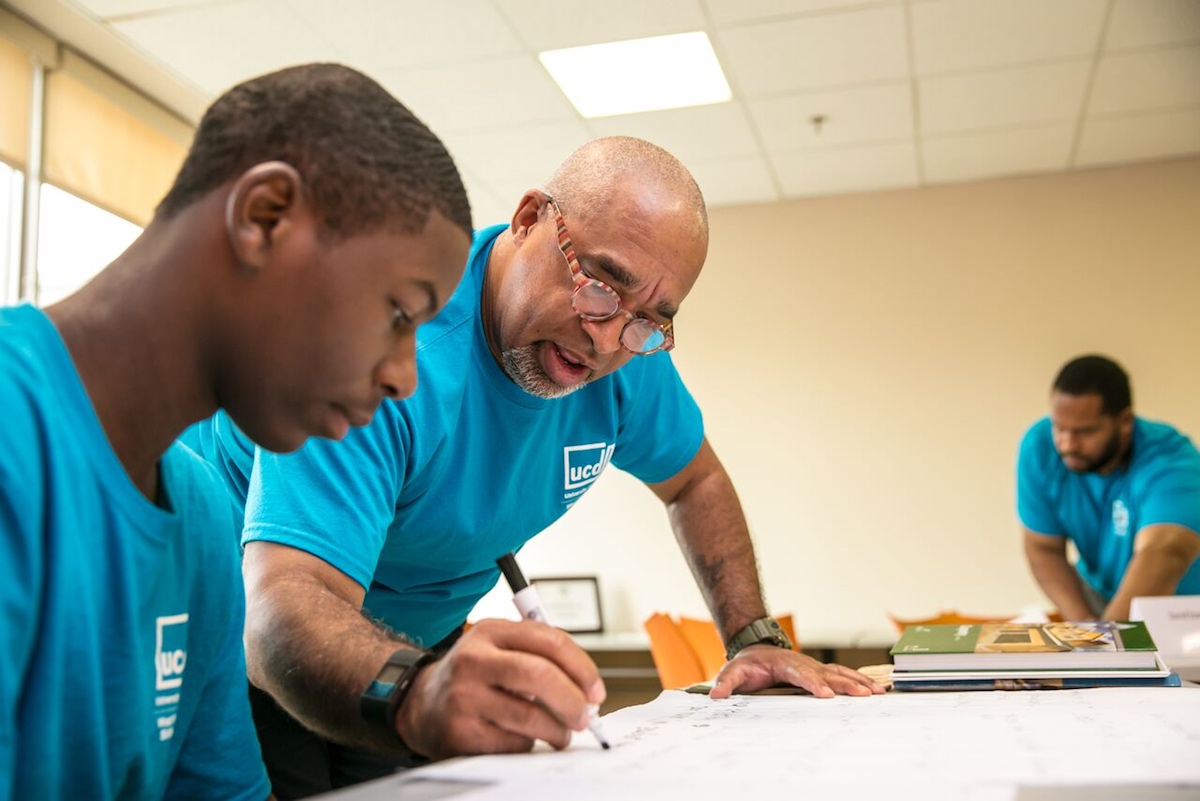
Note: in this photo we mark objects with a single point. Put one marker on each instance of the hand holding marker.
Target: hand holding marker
(529, 605)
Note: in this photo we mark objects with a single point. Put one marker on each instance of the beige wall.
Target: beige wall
(867, 364)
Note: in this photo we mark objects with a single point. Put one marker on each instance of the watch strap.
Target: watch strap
(764, 630)
(387, 691)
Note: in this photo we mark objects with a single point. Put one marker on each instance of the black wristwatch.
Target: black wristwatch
(764, 630)
(386, 692)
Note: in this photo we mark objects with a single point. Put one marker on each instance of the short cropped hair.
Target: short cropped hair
(1096, 375)
(367, 162)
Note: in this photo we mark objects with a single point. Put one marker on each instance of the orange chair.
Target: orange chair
(689, 650)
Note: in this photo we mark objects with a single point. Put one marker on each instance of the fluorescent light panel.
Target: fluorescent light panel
(639, 74)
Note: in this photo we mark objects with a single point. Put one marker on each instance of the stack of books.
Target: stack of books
(1028, 656)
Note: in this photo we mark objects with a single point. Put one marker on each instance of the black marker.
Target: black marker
(530, 606)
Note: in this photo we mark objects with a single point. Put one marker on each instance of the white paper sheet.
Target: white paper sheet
(979, 746)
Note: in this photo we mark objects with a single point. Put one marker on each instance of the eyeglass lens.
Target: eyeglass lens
(594, 302)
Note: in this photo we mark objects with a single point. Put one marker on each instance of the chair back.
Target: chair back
(688, 650)
(945, 617)
(674, 659)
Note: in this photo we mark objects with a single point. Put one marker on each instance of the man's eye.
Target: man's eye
(400, 318)
(590, 271)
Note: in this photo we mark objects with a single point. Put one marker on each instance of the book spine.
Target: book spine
(959, 685)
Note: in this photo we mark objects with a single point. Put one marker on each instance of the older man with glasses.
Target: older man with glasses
(551, 355)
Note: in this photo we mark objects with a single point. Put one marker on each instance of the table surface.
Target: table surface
(1135, 743)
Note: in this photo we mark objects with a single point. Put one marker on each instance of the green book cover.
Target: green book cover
(1023, 646)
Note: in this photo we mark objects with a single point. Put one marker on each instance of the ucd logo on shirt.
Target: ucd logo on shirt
(582, 465)
(1120, 519)
(170, 660)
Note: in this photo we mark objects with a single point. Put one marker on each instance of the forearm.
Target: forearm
(1057, 578)
(1063, 587)
(315, 653)
(710, 527)
(1161, 557)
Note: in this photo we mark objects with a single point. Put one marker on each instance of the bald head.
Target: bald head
(607, 171)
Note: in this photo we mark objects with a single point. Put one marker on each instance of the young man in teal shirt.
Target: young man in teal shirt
(313, 225)
(1124, 490)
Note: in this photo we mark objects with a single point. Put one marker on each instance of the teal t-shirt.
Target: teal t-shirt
(1102, 514)
(417, 506)
(122, 674)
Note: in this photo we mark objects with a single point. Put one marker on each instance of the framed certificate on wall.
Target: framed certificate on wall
(572, 602)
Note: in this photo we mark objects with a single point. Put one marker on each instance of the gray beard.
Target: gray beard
(521, 365)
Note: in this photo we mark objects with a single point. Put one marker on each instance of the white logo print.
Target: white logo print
(1120, 519)
(170, 660)
(582, 465)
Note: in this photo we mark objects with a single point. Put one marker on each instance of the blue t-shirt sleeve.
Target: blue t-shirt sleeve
(334, 500)
(660, 428)
(1034, 505)
(1172, 494)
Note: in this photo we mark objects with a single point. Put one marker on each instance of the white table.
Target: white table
(978, 746)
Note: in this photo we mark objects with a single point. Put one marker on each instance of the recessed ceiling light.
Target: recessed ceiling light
(639, 74)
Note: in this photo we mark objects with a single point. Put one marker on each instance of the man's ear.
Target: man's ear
(1125, 420)
(263, 196)
(527, 214)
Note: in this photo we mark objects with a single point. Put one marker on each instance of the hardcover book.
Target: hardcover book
(1113, 645)
(1081, 682)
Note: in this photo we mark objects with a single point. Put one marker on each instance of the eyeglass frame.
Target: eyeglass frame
(582, 279)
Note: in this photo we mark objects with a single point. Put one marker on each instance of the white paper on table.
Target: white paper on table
(977, 745)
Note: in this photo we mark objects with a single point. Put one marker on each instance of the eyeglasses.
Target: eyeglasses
(597, 302)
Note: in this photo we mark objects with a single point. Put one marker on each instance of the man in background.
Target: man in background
(550, 362)
(314, 223)
(1124, 490)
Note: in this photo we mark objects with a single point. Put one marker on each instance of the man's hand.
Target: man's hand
(758, 667)
(503, 685)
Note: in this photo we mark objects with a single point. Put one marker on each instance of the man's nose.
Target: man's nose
(606, 334)
(397, 373)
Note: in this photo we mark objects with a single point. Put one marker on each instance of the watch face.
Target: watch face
(391, 673)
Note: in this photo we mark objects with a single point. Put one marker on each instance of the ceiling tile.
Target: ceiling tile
(265, 35)
(524, 155)
(735, 182)
(969, 34)
(860, 114)
(734, 11)
(1003, 79)
(1146, 23)
(965, 157)
(551, 24)
(1019, 96)
(1157, 79)
(1111, 140)
(815, 52)
(701, 133)
(382, 34)
(848, 169)
(481, 95)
